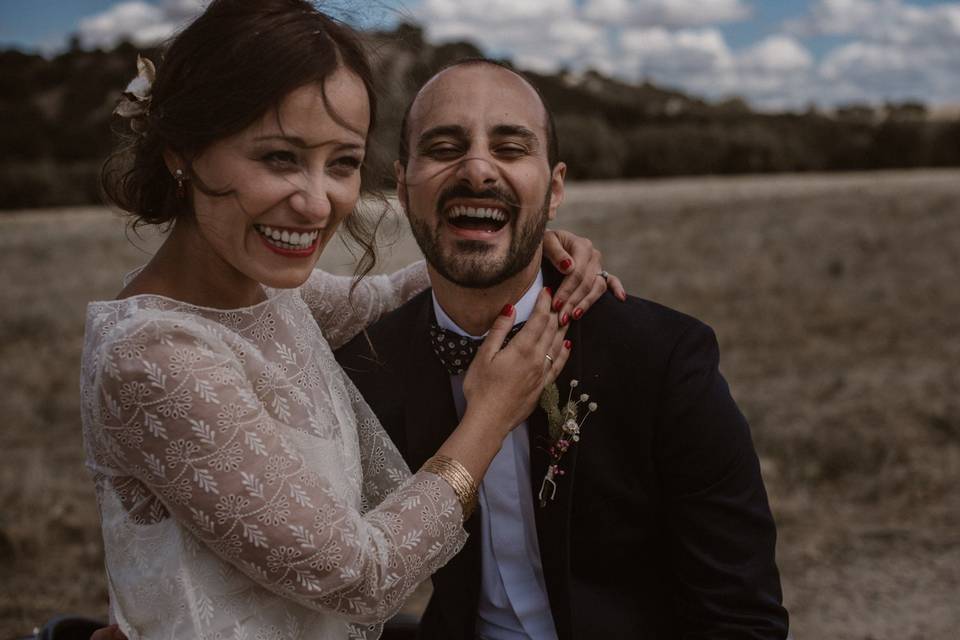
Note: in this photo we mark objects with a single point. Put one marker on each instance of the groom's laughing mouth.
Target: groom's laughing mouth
(476, 217)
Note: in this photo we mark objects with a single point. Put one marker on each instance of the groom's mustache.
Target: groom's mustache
(498, 194)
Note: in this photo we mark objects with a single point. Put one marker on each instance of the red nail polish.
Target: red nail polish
(577, 313)
(567, 344)
(564, 319)
(549, 291)
(566, 264)
(557, 304)
(507, 310)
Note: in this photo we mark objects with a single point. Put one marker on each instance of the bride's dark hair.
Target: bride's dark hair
(216, 77)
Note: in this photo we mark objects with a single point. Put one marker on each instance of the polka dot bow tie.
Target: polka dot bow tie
(455, 351)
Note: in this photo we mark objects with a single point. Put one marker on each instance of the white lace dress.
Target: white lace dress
(246, 490)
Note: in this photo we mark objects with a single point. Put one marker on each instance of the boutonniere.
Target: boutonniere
(564, 429)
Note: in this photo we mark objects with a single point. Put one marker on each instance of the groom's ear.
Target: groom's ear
(400, 172)
(557, 176)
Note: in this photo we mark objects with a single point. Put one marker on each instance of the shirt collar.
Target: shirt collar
(524, 308)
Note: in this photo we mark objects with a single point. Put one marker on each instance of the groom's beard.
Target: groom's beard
(468, 263)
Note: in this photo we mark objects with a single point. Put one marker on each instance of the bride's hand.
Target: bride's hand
(502, 385)
(580, 262)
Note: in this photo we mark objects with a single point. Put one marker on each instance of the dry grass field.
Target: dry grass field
(836, 302)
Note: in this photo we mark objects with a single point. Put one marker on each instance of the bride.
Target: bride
(245, 488)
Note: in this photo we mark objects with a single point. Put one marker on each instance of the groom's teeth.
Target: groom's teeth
(478, 212)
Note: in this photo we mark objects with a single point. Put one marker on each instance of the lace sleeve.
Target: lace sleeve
(343, 315)
(180, 415)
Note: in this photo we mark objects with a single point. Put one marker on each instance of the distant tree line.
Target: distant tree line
(55, 124)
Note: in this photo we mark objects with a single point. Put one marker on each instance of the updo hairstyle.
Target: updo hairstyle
(215, 78)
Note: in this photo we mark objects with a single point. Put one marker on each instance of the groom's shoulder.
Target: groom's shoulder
(640, 327)
(641, 313)
(384, 341)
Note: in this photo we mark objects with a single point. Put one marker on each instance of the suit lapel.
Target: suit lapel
(429, 413)
(430, 416)
(553, 519)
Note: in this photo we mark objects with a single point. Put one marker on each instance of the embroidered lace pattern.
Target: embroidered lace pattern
(245, 488)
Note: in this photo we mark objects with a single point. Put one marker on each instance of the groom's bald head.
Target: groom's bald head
(553, 145)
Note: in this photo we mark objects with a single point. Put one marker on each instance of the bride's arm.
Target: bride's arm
(182, 417)
(342, 314)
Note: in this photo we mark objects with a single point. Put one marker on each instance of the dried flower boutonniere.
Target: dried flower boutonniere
(564, 428)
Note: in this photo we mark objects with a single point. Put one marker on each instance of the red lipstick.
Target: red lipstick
(290, 253)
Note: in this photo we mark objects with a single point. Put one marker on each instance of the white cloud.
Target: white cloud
(878, 73)
(183, 9)
(893, 50)
(660, 54)
(887, 49)
(565, 43)
(889, 21)
(138, 21)
(865, 59)
(666, 13)
(675, 43)
(123, 20)
(542, 35)
(494, 11)
(778, 53)
(773, 73)
(837, 17)
(894, 21)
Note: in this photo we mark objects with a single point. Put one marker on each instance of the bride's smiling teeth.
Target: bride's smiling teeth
(284, 239)
(485, 218)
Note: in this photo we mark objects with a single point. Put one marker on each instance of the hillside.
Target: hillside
(55, 123)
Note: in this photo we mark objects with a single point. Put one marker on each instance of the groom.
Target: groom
(656, 523)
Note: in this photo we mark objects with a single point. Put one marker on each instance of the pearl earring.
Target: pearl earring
(179, 177)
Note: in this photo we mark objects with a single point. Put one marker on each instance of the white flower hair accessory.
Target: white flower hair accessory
(134, 103)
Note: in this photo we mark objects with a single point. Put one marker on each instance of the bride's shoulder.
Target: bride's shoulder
(320, 281)
(158, 348)
(141, 325)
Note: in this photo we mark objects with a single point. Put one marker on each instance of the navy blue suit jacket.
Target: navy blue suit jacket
(660, 527)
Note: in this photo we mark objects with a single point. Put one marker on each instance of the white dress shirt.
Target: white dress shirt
(513, 595)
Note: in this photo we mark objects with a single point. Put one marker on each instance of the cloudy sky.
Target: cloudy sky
(775, 53)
